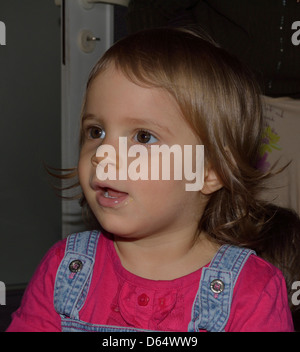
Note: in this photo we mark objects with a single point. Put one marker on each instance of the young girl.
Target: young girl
(164, 258)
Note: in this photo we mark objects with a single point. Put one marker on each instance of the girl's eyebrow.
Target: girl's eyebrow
(88, 116)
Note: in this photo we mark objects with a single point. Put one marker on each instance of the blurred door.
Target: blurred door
(87, 32)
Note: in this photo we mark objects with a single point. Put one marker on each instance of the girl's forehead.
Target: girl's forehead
(113, 97)
(111, 71)
(114, 83)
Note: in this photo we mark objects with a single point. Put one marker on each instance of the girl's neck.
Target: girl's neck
(167, 257)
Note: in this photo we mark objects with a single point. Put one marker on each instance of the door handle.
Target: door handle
(87, 41)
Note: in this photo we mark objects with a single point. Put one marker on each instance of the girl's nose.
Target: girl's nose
(105, 163)
(106, 155)
(111, 159)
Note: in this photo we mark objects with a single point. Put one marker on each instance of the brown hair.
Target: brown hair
(280, 245)
(220, 99)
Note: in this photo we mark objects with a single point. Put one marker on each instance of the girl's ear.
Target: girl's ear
(212, 181)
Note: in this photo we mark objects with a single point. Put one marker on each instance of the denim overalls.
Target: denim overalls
(211, 308)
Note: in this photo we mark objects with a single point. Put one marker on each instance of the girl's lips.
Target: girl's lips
(109, 197)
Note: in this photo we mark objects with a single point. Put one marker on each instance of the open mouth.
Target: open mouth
(113, 194)
(109, 197)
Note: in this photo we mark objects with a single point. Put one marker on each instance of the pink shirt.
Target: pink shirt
(118, 297)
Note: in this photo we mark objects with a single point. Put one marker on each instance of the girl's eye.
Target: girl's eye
(145, 137)
(96, 133)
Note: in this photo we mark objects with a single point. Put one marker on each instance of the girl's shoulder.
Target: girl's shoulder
(261, 278)
(58, 249)
(36, 312)
(260, 301)
(55, 254)
(48, 266)
(259, 269)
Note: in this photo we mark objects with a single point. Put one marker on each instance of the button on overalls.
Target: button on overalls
(211, 308)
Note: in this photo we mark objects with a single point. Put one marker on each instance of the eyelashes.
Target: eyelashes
(142, 136)
(145, 137)
(95, 132)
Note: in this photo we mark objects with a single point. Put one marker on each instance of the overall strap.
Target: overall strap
(211, 308)
(74, 273)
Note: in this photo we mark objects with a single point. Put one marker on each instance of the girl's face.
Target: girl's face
(116, 107)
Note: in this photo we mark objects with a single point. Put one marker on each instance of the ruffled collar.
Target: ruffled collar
(147, 304)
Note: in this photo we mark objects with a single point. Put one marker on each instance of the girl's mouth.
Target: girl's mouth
(111, 198)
